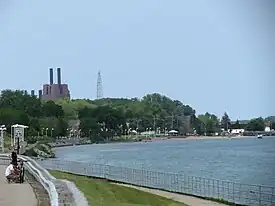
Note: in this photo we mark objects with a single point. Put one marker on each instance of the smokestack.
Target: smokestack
(32, 92)
(51, 75)
(58, 76)
(40, 94)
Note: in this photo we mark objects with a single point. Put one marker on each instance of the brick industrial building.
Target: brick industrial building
(53, 91)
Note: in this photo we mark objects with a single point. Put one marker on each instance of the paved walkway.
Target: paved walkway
(188, 200)
(15, 194)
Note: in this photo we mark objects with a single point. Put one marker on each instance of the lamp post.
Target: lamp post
(79, 133)
(146, 133)
(2, 129)
(129, 132)
(47, 131)
(68, 133)
(52, 132)
(158, 131)
(136, 133)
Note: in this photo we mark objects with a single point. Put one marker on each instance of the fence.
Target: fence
(242, 194)
(37, 174)
(60, 192)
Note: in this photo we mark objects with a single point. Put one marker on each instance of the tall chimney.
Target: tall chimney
(51, 75)
(58, 76)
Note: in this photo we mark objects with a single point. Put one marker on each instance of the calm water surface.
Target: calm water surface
(249, 161)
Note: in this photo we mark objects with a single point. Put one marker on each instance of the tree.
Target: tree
(225, 122)
(71, 107)
(103, 120)
(199, 126)
(10, 116)
(17, 107)
(270, 119)
(236, 125)
(210, 123)
(257, 124)
(50, 109)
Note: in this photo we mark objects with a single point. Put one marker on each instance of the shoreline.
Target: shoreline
(209, 137)
(217, 137)
(182, 138)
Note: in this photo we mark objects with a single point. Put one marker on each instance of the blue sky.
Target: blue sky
(215, 55)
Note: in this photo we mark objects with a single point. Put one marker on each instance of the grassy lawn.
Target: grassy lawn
(103, 193)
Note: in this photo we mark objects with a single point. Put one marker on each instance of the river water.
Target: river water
(246, 160)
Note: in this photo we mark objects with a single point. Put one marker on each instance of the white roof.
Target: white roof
(173, 131)
(19, 125)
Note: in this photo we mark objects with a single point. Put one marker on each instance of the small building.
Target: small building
(237, 131)
(267, 129)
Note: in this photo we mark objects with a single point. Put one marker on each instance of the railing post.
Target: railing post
(272, 199)
(233, 191)
(218, 189)
(260, 195)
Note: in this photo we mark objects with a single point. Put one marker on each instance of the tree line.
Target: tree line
(109, 117)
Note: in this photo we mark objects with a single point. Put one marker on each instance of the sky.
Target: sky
(216, 56)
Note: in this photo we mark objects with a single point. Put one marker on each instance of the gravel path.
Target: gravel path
(15, 194)
(188, 200)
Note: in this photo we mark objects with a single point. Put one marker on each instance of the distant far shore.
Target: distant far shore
(77, 142)
(213, 137)
(206, 137)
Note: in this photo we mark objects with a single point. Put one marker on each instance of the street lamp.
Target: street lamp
(129, 131)
(47, 132)
(158, 130)
(68, 133)
(147, 129)
(79, 133)
(52, 132)
(136, 133)
(2, 129)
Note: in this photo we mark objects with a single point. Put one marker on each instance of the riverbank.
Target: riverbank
(208, 137)
(186, 199)
(77, 142)
(104, 193)
(39, 149)
(216, 137)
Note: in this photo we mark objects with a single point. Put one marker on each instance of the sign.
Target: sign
(18, 133)
(2, 140)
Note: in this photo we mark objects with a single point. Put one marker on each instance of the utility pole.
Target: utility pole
(137, 121)
(155, 125)
(172, 121)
